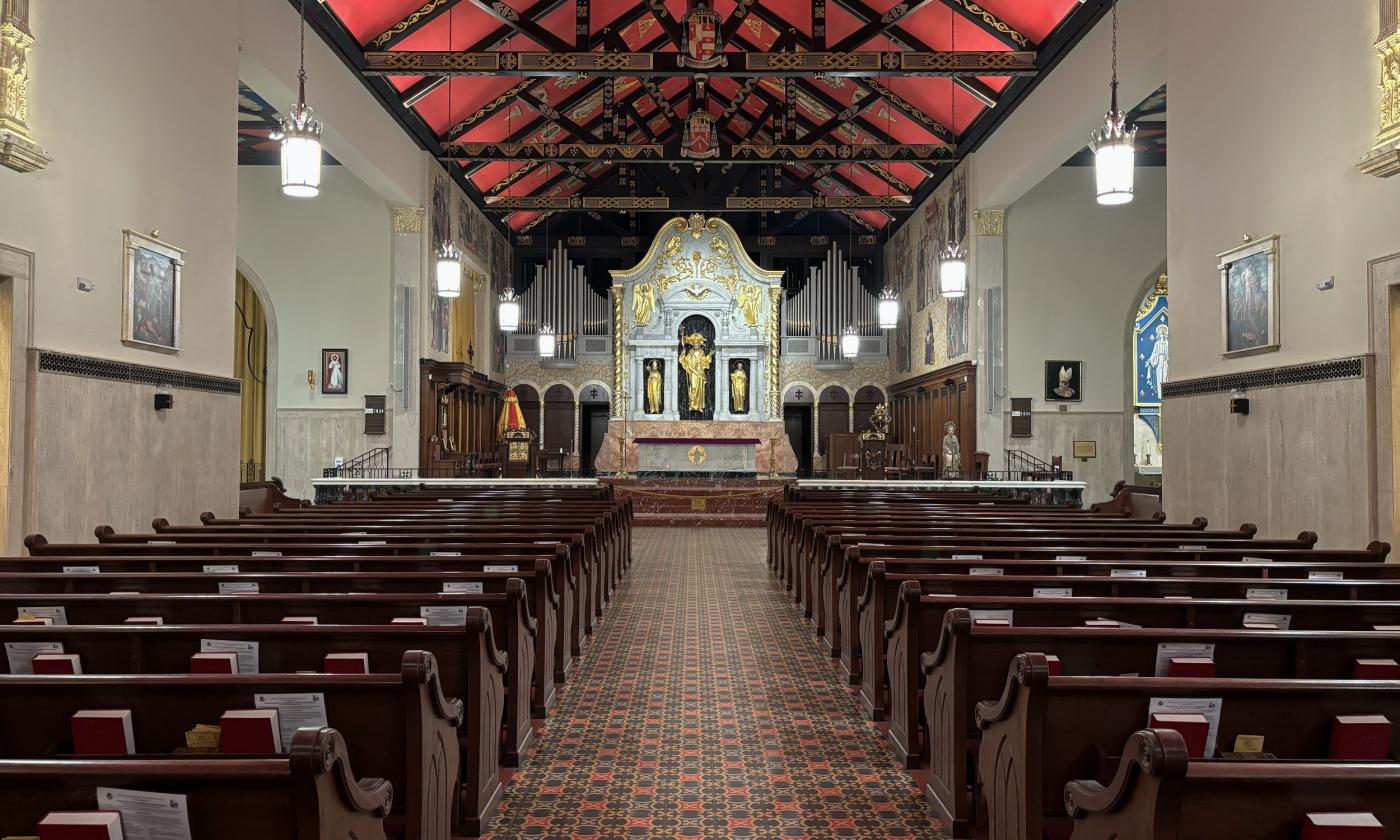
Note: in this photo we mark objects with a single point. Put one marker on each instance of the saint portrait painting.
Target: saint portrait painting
(1249, 297)
(151, 311)
(335, 371)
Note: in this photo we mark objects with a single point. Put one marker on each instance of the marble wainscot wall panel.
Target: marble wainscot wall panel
(309, 440)
(1054, 433)
(102, 455)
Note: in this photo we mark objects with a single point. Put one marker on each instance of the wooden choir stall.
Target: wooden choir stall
(457, 424)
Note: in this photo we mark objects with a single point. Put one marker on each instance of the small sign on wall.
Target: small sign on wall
(1086, 449)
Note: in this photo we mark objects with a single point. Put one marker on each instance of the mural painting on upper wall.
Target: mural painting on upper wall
(929, 246)
(473, 230)
(500, 281)
(956, 326)
(903, 351)
(441, 307)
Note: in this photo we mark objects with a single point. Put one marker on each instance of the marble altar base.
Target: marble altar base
(772, 443)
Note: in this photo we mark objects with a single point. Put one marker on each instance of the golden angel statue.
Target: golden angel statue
(749, 301)
(738, 388)
(643, 303)
(696, 364)
(653, 388)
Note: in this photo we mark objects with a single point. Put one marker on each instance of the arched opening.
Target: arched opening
(798, 402)
(696, 348)
(250, 367)
(557, 440)
(867, 397)
(1148, 359)
(530, 408)
(594, 407)
(833, 418)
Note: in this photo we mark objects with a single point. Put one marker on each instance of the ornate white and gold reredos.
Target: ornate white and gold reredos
(696, 264)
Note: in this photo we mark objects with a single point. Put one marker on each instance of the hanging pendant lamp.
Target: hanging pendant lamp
(1113, 142)
(300, 134)
(448, 276)
(509, 311)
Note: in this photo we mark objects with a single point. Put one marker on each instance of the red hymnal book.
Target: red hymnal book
(102, 732)
(1054, 663)
(81, 825)
(1192, 726)
(1360, 737)
(214, 663)
(57, 663)
(347, 663)
(250, 731)
(409, 621)
(300, 619)
(1355, 826)
(1376, 669)
(1190, 666)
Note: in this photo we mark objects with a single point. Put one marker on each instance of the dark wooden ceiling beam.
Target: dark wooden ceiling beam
(672, 151)
(990, 23)
(421, 17)
(523, 24)
(684, 201)
(490, 109)
(879, 24)
(655, 65)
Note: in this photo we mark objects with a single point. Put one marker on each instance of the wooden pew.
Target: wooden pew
(397, 727)
(1156, 794)
(539, 585)
(970, 663)
(1044, 732)
(470, 666)
(529, 686)
(311, 794)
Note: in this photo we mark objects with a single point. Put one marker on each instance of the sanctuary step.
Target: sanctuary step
(690, 502)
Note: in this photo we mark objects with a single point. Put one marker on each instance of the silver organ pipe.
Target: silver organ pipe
(561, 297)
(832, 300)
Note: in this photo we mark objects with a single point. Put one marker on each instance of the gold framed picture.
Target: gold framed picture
(1086, 449)
(151, 301)
(1249, 284)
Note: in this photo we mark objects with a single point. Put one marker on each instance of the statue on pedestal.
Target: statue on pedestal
(653, 388)
(952, 452)
(738, 389)
(696, 364)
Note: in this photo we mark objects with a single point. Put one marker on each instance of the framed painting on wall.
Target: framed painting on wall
(335, 371)
(152, 271)
(1249, 279)
(1063, 382)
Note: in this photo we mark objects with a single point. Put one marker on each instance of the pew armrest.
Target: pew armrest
(1028, 670)
(420, 668)
(318, 753)
(957, 621)
(1149, 754)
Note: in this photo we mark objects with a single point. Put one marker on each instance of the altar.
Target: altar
(685, 456)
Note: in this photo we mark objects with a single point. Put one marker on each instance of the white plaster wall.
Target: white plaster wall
(140, 119)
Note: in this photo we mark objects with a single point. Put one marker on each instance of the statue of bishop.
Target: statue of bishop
(738, 389)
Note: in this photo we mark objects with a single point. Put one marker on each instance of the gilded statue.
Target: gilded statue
(653, 388)
(696, 364)
(952, 451)
(738, 389)
(749, 300)
(643, 303)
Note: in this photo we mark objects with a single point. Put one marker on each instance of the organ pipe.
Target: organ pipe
(560, 296)
(832, 300)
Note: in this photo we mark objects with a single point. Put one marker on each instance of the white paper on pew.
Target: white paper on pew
(82, 570)
(1123, 625)
(984, 504)
(984, 570)
(1168, 651)
(444, 554)
(58, 614)
(508, 567)
(1255, 560)
(461, 587)
(247, 652)
(967, 557)
(1192, 547)
(1325, 576)
(357, 533)
(21, 655)
(1052, 592)
(147, 815)
(1207, 707)
(444, 615)
(1279, 620)
(373, 542)
(238, 587)
(992, 615)
(546, 542)
(1127, 573)
(444, 500)
(1256, 593)
(220, 569)
(293, 712)
(160, 542)
(267, 554)
(1071, 557)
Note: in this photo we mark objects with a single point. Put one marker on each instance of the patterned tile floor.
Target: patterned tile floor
(703, 708)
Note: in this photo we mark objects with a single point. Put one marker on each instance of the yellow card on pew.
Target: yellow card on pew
(203, 737)
(1249, 743)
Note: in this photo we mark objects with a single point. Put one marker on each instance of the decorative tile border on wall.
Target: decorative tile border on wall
(1350, 368)
(93, 368)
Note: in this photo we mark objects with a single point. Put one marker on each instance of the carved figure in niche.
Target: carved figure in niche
(643, 303)
(696, 363)
(952, 451)
(653, 388)
(738, 389)
(749, 301)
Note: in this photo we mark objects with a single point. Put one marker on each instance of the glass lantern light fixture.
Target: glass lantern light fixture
(888, 309)
(952, 271)
(850, 342)
(300, 135)
(509, 311)
(448, 275)
(547, 340)
(1112, 144)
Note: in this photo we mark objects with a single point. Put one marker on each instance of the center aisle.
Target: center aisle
(704, 709)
